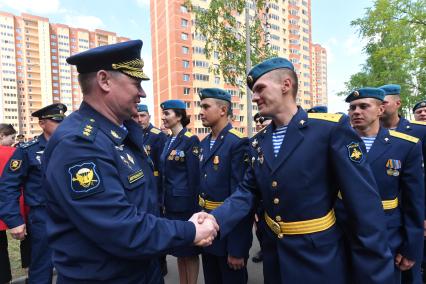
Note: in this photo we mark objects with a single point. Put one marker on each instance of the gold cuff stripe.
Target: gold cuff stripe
(387, 204)
(207, 204)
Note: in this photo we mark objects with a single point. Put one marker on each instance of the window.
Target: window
(183, 9)
(186, 91)
(184, 36)
(186, 77)
(185, 63)
(184, 23)
(185, 50)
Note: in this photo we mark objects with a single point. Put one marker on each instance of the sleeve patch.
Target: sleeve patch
(84, 179)
(354, 152)
(15, 165)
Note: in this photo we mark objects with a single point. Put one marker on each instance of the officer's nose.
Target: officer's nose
(142, 93)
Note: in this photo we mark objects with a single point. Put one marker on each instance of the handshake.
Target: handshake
(206, 228)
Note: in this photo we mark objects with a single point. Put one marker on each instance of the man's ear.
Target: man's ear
(103, 79)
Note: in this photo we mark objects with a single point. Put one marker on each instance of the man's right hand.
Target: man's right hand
(18, 233)
(206, 228)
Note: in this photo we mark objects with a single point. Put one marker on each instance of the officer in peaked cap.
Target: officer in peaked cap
(223, 161)
(298, 182)
(318, 109)
(396, 161)
(24, 171)
(419, 111)
(101, 195)
(392, 120)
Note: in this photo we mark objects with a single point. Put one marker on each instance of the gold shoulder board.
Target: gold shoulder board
(333, 117)
(403, 136)
(418, 122)
(155, 130)
(188, 134)
(236, 133)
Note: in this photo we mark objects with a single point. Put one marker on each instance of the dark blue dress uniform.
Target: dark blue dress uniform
(179, 167)
(222, 168)
(99, 194)
(154, 141)
(99, 199)
(396, 161)
(25, 170)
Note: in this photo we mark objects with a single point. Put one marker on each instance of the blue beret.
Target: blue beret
(215, 93)
(173, 104)
(54, 111)
(266, 66)
(124, 57)
(364, 93)
(142, 107)
(318, 109)
(391, 89)
(419, 105)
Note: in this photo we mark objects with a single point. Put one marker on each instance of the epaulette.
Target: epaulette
(236, 133)
(88, 129)
(403, 136)
(333, 117)
(155, 130)
(418, 122)
(29, 143)
(188, 134)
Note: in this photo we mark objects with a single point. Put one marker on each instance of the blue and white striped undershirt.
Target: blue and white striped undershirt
(278, 138)
(368, 141)
(171, 141)
(212, 143)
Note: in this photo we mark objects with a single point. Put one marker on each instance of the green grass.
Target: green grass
(15, 257)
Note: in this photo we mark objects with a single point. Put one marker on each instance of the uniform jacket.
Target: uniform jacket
(24, 169)
(319, 155)
(99, 200)
(179, 166)
(221, 169)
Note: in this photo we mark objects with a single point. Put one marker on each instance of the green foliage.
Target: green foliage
(226, 36)
(396, 48)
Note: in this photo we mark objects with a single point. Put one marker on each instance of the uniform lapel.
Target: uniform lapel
(293, 138)
(217, 143)
(380, 145)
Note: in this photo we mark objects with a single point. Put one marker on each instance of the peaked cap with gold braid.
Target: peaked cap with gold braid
(124, 57)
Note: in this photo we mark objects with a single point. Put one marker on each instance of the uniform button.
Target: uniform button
(276, 201)
(205, 175)
(278, 218)
(203, 194)
(280, 235)
(274, 183)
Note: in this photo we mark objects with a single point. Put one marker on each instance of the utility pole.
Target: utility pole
(248, 67)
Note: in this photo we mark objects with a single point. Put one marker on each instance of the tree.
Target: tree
(225, 36)
(396, 49)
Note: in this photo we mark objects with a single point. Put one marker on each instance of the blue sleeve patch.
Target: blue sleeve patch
(355, 152)
(84, 179)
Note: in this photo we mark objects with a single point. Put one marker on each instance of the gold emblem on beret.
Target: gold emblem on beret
(250, 79)
(355, 93)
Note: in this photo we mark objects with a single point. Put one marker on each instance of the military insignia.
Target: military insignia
(260, 158)
(253, 159)
(38, 156)
(246, 158)
(355, 152)
(393, 167)
(14, 164)
(196, 151)
(127, 162)
(148, 149)
(249, 79)
(85, 179)
(201, 157)
(386, 139)
(302, 122)
(355, 93)
(254, 143)
(115, 135)
(216, 162)
(135, 176)
(130, 158)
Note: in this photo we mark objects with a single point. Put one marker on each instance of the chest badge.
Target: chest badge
(393, 167)
(216, 162)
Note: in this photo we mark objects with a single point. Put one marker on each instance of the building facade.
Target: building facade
(180, 67)
(33, 70)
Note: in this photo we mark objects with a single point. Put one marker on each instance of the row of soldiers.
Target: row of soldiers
(339, 199)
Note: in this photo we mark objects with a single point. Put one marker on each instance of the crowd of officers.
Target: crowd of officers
(335, 198)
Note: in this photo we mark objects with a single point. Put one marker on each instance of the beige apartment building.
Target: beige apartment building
(180, 67)
(33, 70)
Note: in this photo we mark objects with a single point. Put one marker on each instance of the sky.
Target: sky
(130, 18)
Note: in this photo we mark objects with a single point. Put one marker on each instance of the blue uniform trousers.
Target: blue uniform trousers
(41, 265)
(217, 271)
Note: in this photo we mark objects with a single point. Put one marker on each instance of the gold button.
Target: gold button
(280, 235)
(278, 218)
(274, 183)
(276, 201)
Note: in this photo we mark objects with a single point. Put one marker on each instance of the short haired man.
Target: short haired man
(318, 109)
(261, 121)
(298, 163)
(222, 167)
(24, 170)
(419, 111)
(101, 224)
(396, 161)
